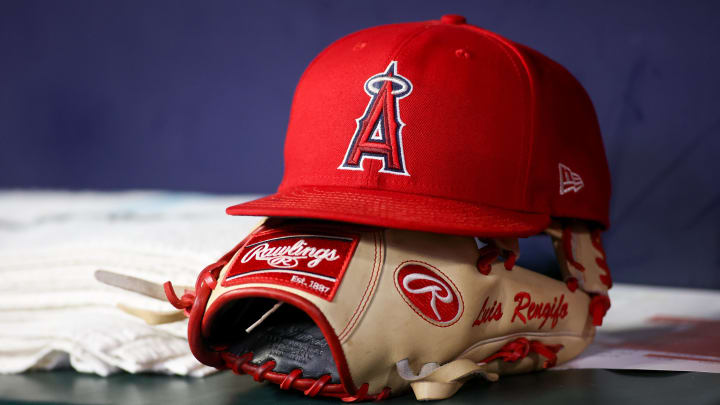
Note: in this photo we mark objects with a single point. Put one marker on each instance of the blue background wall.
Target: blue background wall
(195, 96)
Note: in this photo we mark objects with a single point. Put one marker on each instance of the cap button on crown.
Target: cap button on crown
(453, 19)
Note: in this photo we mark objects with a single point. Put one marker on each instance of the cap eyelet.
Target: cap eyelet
(359, 46)
(461, 53)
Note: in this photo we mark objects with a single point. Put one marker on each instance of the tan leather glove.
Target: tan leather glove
(363, 313)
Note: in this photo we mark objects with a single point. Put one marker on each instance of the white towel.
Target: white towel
(53, 313)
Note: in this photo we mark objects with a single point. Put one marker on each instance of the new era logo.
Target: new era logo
(569, 180)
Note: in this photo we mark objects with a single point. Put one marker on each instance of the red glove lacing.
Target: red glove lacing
(520, 348)
(309, 386)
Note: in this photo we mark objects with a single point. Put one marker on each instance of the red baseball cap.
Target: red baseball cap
(440, 126)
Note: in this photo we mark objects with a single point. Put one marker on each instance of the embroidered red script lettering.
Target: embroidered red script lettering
(488, 314)
(526, 309)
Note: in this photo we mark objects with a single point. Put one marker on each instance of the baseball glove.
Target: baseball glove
(363, 313)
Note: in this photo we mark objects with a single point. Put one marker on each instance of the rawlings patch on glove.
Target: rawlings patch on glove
(363, 313)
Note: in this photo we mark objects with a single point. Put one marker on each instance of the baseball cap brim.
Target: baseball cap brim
(395, 210)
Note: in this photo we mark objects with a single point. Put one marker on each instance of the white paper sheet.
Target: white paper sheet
(657, 328)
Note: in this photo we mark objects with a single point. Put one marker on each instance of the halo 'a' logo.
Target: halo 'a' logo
(429, 293)
(379, 130)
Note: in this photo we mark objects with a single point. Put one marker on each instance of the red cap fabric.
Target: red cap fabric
(440, 126)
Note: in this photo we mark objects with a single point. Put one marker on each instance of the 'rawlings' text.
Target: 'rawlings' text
(288, 256)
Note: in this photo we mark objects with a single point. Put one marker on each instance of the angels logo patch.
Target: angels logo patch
(429, 292)
(314, 262)
(379, 129)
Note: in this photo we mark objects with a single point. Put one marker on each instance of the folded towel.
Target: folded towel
(54, 313)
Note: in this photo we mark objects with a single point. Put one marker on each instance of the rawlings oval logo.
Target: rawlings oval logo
(429, 292)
